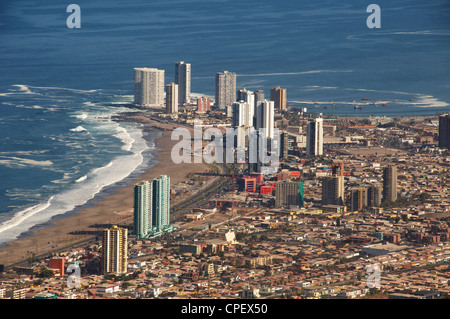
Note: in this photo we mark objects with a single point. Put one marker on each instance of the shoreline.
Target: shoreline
(114, 208)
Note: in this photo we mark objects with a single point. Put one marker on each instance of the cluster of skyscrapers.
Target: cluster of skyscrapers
(149, 87)
(151, 219)
(251, 112)
(152, 207)
(150, 91)
(225, 93)
(333, 192)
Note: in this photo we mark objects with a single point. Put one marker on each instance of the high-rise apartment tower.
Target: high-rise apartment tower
(314, 137)
(172, 98)
(114, 250)
(390, 183)
(183, 79)
(225, 89)
(148, 87)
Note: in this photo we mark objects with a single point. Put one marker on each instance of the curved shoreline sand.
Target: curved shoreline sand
(114, 208)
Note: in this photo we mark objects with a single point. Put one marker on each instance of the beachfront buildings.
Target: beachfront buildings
(225, 89)
(148, 87)
(161, 203)
(314, 137)
(444, 131)
(142, 209)
(278, 95)
(183, 79)
(114, 250)
(152, 207)
(172, 98)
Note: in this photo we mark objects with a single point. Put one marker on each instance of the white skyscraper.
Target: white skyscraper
(241, 137)
(242, 114)
(249, 97)
(183, 79)
(265, 114)
(314, 137)
(149, 87)
(225, 89)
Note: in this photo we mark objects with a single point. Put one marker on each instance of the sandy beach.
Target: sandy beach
(112, 209)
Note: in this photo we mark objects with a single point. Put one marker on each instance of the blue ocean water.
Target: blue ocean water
(59, 150)
(57, 142)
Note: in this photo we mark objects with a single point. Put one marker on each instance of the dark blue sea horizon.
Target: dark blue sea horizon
(54, 135)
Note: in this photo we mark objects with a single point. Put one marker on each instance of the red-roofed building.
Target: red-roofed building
(294, 174)
(267, 188)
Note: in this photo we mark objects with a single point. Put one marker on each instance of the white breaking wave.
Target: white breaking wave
(125, 137)
(23, 162)
(82, 191)
(66, 177)
(23, 89)
(21, 216)
(82, 116)
(81, 179)
(78, 129)
(65, 89)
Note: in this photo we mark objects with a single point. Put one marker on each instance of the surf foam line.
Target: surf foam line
(85, 189)
(22, 215)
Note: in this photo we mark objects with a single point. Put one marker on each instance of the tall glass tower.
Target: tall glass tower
(142, 209)
(183, 79)
(161, 202)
